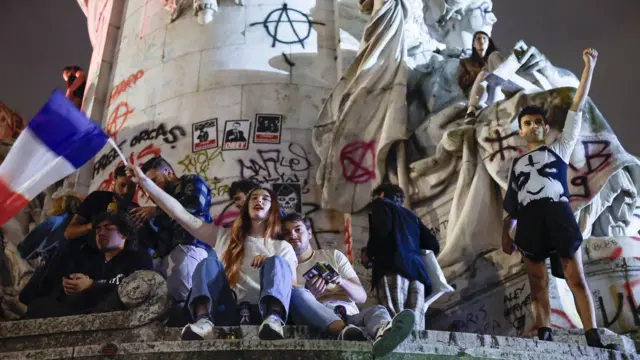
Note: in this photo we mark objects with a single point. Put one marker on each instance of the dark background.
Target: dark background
(40, 37)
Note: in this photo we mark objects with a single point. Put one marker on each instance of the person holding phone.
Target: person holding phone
(330, 282)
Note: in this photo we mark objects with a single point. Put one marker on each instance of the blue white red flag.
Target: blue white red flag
(55, 143)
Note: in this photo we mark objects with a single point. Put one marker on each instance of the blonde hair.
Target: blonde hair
(65, 204)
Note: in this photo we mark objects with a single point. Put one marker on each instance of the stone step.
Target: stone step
(157, 342)
(290, 349)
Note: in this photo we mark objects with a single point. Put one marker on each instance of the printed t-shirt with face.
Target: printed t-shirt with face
(334, 295)
(248, 286)
(542, 172)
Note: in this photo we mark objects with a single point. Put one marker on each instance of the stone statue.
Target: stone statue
(204, 10)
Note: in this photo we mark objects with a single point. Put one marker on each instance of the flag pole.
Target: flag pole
(117, 149)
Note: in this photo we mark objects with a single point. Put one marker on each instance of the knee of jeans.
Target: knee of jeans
(276, 259)
(300, 294)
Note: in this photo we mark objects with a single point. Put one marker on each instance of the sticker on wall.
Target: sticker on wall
(289, 197)
(236, 133)
(268, 129)
(205, 135)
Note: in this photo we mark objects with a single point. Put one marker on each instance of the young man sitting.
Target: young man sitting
(538, 200)
(315, 304)
(88, 282)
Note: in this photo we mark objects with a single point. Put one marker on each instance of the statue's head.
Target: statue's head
(453, 22)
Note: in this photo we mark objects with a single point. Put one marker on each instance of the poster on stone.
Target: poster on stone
(289, 197)
(268, 129)
(205, 135)
(236, 134)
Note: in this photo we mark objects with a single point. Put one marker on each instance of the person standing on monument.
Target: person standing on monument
(246, 264)
(537, 199)
(472, 71)
(76, 81)
(396, 238)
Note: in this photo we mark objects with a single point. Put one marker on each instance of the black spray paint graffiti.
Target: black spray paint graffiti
(313, 207)
(516, 308)
(274, 19)
(440, 228)
(272, 166)
(475, 322)
(595, 161)
(170, 136)
(502, 149)
(635, 310)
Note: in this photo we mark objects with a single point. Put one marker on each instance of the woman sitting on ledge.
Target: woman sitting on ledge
(259, 269)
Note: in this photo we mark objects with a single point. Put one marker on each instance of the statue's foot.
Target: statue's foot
(594, 340)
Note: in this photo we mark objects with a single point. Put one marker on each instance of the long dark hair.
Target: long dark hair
(234, 254)
(474, 54)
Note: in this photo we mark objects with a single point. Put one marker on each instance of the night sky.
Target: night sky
(40, 37)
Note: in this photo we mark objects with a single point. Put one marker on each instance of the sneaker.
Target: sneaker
(200, 330)
(352, 333)
(545, 334)
(271, 328)
(594, 340)
(389, 336)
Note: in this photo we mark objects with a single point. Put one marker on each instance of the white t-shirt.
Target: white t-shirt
(334, 295)
(248, 286)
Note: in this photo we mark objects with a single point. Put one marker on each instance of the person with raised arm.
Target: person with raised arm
(246, 264)
(538, 200)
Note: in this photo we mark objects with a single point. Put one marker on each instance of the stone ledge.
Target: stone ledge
(317, 349)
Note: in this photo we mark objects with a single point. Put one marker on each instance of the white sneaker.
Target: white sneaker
(271, 328)
(201, 330)
(389, 336)
(352, 333)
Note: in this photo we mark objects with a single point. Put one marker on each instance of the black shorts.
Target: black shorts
(547, 229)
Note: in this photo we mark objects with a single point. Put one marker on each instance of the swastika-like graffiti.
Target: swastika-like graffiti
(274, 19)
(501, 147)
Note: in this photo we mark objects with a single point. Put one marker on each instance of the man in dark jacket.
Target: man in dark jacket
(176, 249)
(88, 281)
(396, 238)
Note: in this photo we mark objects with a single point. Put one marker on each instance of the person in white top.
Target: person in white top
(537, 199)
(253, 267)
(316, 304)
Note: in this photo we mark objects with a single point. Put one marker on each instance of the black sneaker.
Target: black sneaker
(352, 333)
(594, 340)
(545, 334)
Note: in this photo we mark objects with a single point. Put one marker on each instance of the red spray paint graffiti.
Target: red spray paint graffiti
(137, 159)
(118, 118)
(358, 160)
(347, 237)
(124, 85)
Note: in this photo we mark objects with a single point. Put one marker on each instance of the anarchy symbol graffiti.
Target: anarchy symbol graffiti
(300, 26)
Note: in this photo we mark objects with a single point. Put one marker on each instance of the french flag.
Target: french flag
(55, 143)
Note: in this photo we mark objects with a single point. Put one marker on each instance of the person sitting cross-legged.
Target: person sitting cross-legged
(314, 305)
(247, 264)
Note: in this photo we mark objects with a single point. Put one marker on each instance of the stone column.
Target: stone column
(177, 88)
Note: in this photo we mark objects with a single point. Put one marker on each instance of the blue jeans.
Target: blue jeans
(210, 284)
(306, 310)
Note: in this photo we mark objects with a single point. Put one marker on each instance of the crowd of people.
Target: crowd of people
(262, 269)
(255, 271)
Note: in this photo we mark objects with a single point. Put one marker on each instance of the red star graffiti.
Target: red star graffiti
(358, 160)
